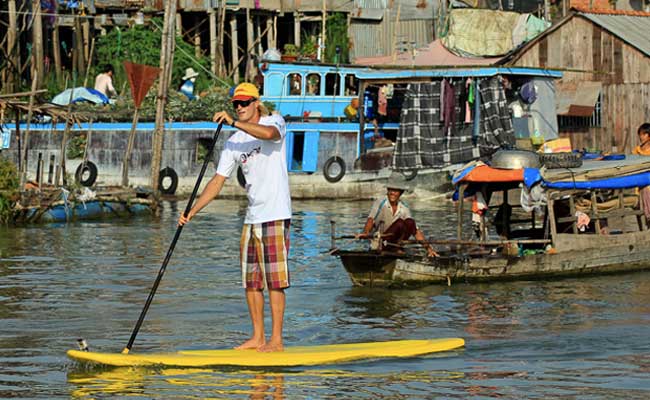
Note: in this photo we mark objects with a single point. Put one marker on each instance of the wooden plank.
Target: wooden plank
(607, 57)
(618, 61)
(596, 40)
(543, 52)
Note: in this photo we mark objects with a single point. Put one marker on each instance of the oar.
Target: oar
(179, 229)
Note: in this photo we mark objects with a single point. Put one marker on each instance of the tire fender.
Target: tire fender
(334, 162)
(168, 172)
(83, 168)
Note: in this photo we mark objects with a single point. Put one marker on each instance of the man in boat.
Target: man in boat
(258, 146)
(391, 218)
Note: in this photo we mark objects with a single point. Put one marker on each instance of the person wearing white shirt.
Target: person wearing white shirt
(259, 147)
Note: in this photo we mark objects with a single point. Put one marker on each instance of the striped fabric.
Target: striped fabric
(264, 251)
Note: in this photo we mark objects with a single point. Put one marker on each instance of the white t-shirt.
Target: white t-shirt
(264, 164)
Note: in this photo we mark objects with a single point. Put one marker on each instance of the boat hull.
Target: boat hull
(605, 254)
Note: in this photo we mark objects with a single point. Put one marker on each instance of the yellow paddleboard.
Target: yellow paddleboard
(291, 356)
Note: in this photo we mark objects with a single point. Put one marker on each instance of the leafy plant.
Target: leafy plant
(308, 47)
(141, 44)
(76, 146)
(337, 36)
(290, 49)
(9, 184)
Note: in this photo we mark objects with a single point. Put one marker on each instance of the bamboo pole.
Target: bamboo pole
(129, 149)
(37, 45)
(234, 48)
(56, 52)
(166, 62)
(90, 60)
(30, 110)
(12, 43)
(214, 57)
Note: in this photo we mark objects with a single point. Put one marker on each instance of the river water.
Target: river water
(573, 338)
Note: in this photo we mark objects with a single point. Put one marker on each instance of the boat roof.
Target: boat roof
(450, 72)
(632, 171)
(409, 72)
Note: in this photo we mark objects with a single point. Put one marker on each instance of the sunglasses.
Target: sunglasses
(242, 103)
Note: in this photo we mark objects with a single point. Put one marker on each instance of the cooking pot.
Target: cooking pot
(515, 159)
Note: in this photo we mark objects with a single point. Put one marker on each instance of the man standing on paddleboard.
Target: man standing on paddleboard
(258, 146)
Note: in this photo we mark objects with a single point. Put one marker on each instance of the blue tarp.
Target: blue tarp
(80, 94)
(623, 182)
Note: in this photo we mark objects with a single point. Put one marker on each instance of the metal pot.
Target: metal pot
(515, 159)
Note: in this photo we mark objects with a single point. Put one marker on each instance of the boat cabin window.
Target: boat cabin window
(351, 85)
(332, 84)
(313, 85)
(295, 84)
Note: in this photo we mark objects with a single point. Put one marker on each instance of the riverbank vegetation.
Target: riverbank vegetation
(9, 184)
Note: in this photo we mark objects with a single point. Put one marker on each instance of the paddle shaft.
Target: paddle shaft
(179, 229)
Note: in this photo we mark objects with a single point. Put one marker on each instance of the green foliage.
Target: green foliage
(308, 45)
(9, 184)
(337, 35)
(141, 44)
(290, 49)
(76, 146)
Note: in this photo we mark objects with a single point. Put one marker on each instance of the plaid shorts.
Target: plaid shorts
(264, 250)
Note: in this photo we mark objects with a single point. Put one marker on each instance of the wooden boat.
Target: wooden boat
(552, 243)
(58, 205)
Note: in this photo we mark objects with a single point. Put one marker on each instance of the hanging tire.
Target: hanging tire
(241, 179)
(168, 181)
(86, 173)
(334, 169)
(410, 174)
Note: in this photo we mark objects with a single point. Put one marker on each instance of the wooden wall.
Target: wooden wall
(590, 51)
(625, 106)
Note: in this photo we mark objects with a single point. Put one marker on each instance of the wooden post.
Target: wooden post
(296, 28)
(90, 61)
(249, 42)
(37, 61)
(64, 141)
(166, 62)
(551, 217)
(56, 52)
(12, 48)
(270, 37)
(461, 206)
(129, 149)
(258, 32)
(222, 30)
(235, 48)
(324, 30)
(214, 57)
(87, 42)
(50, 170)
(78, 47)
(362, 117)
(26, 137)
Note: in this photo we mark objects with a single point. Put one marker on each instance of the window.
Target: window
(351, 85)
(572, 123)
(313, 85)
(295, 84)
(332, 84)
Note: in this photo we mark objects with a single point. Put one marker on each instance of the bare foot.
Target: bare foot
(251, 344)
(270, 347)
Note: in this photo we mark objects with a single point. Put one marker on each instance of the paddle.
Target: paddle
(179, 229)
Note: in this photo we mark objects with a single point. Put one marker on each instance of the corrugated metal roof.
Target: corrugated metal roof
(631, 29)
(408, 9)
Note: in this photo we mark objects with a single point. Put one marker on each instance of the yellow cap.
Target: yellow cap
(245, 91)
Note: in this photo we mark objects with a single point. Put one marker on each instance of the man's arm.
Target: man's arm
(211, 191)
(366, 229)
(419, 236)
(264, 132)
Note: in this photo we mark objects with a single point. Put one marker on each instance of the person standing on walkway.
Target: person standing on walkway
(258, 146)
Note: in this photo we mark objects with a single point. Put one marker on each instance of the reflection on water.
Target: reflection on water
(570, 338)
